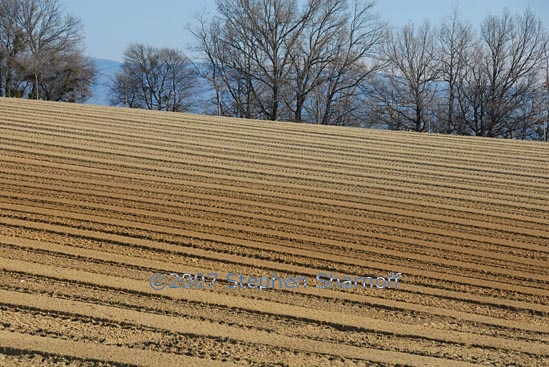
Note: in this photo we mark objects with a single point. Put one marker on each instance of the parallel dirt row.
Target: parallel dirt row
(95, 200)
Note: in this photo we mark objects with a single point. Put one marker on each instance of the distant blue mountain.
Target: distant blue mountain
(106, 69)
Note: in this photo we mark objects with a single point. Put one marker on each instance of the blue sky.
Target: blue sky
(111, 25)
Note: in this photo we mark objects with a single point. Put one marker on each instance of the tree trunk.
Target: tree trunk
(36, 86)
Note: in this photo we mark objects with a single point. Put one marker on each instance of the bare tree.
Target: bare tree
(123, 92)
(472, 93)
(313, 54)
(352, 58)
(251, 52)
(211, 71)
(505, 74)
(455, 44)
(48, 33)
(12, 44)
(228, 70)
(231, 70)
(67, 78)
(405, 94)
(40, 52)
(536, 112)
(154, 79)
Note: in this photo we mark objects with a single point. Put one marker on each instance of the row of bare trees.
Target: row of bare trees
(451, 79)
(335, 62)
(330, 62)
(40, 52)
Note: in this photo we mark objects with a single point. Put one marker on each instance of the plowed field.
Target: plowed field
(94, 200)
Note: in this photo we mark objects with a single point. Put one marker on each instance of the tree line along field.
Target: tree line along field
(93, 200)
